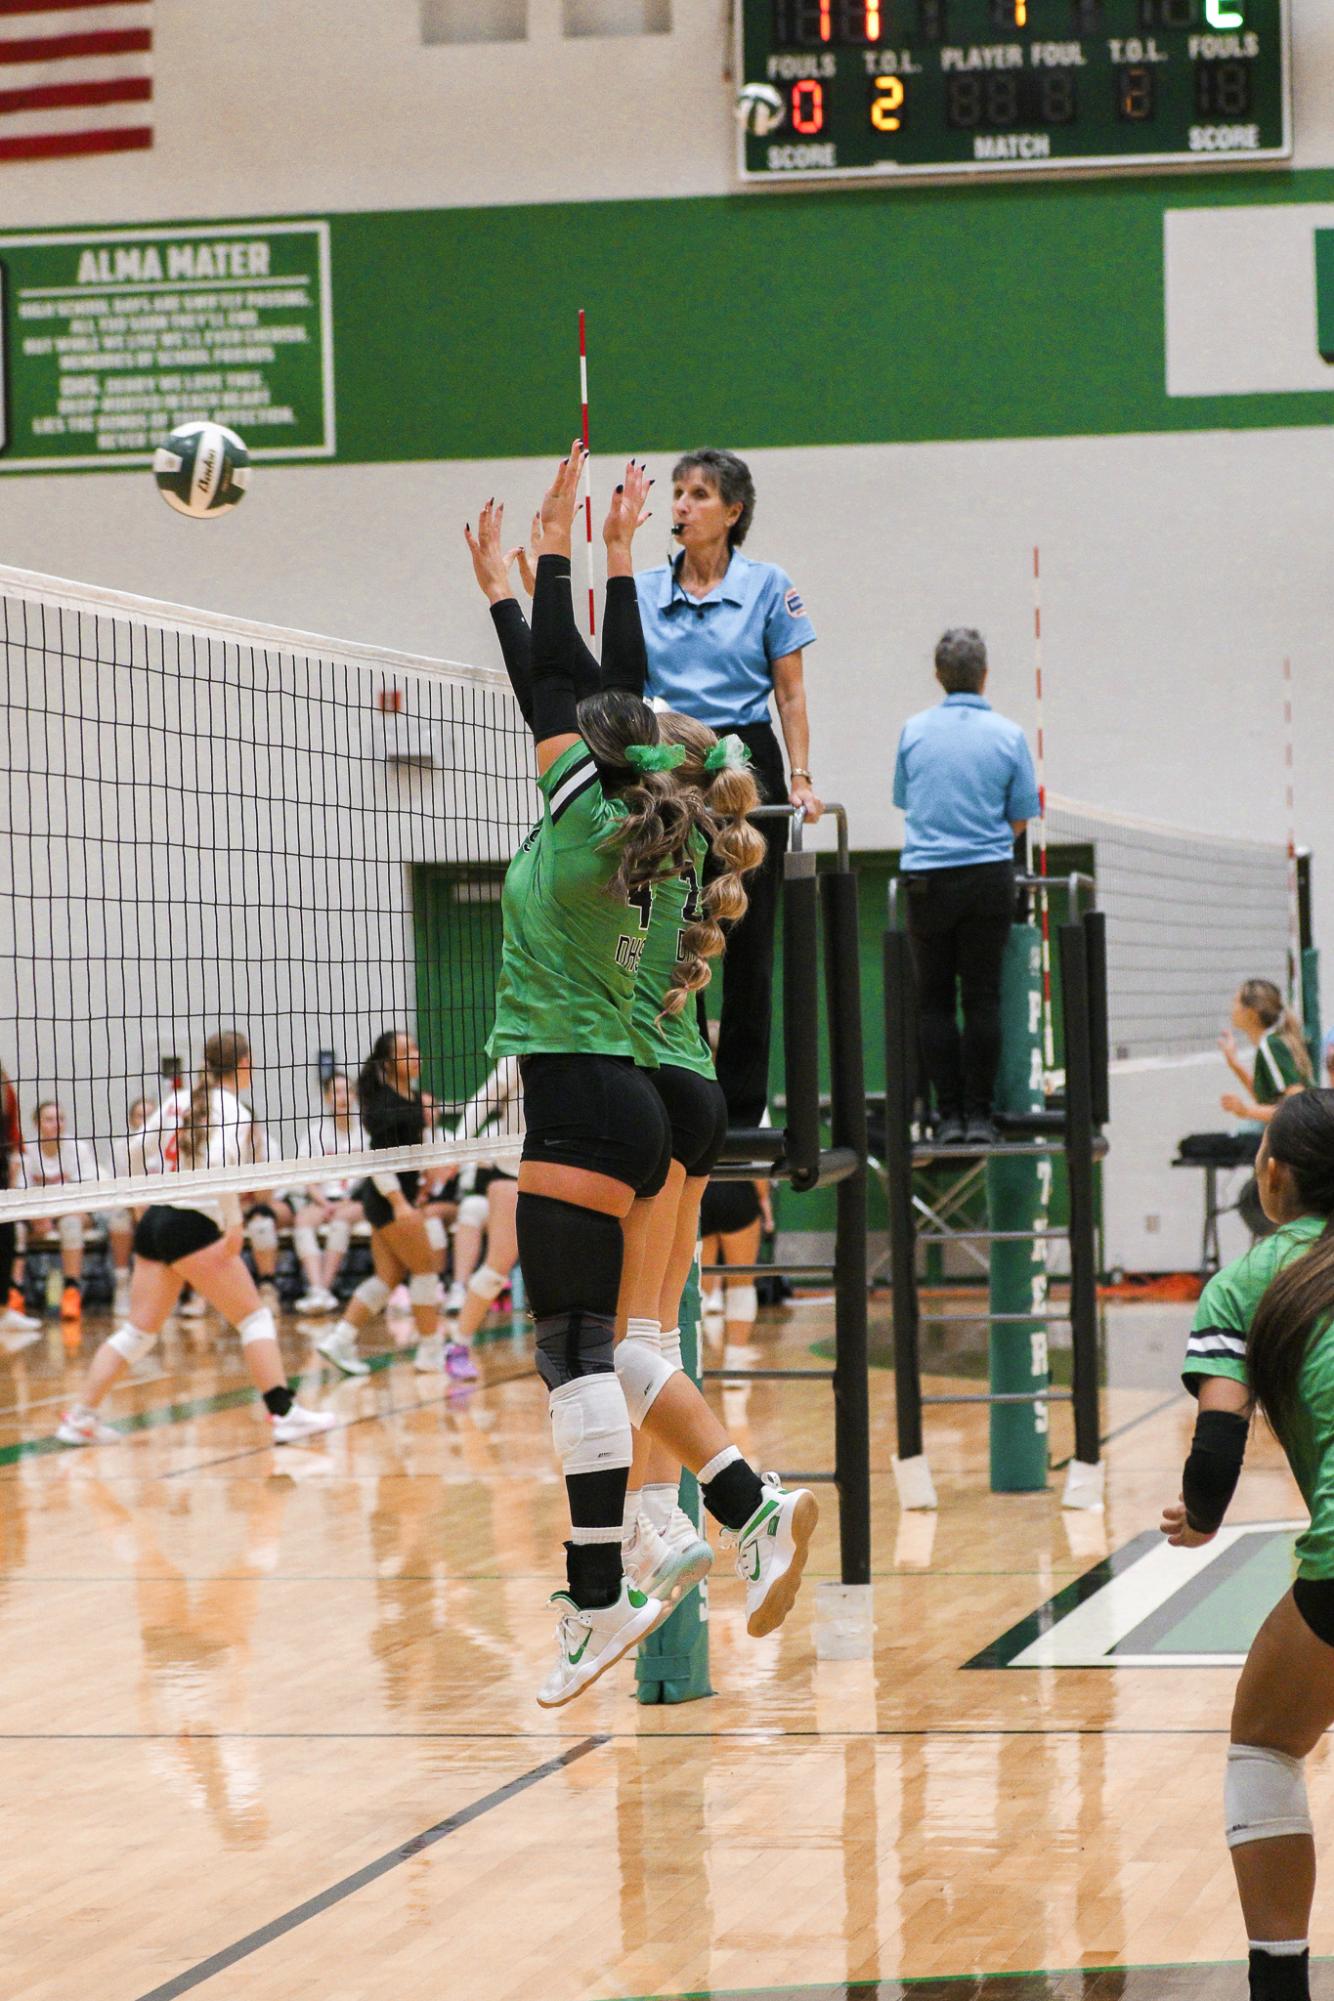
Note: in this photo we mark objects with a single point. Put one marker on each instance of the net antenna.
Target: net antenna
(1044, 904)
(588, 467)
(1294, 892)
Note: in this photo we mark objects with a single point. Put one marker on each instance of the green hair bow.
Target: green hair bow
(728, 754)
(655, 756)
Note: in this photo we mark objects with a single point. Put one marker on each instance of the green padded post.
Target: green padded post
(1018, 1196)
(673, 1663)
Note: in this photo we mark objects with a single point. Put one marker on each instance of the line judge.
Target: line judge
(725, 635)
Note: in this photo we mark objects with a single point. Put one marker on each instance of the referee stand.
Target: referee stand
(819, 932)
(1017, 1173)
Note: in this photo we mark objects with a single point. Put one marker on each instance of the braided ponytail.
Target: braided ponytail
(721, 792)
(658, 813)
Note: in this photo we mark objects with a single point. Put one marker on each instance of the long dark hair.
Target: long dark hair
(373, 1077)
(1300, 1298)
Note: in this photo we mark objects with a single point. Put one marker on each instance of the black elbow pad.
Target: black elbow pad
(1214, 1467)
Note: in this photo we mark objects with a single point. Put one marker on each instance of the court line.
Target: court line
(758, 1734)
(370, 1872)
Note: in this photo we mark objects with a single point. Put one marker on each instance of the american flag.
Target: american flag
(75, 77)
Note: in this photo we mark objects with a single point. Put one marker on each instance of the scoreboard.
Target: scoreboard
(885, 89)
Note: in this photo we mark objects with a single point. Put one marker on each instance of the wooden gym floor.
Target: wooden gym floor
(268, 1730)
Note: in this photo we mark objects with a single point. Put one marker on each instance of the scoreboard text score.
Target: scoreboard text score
(885, 88)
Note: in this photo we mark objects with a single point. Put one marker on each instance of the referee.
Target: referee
(724, 636)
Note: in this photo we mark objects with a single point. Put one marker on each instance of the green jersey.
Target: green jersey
(1217, 1347)
(570, 952)
(1276, 1069)
(671, 1038)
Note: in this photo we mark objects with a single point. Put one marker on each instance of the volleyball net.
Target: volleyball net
(1189, 917)
(210, 824)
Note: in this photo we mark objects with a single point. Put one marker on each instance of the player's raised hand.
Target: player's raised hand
(490, 566)
(628, 509)
(1179, 1531)
(558, 502)
(526, 557)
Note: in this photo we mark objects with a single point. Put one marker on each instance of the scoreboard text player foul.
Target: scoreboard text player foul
(885, 88)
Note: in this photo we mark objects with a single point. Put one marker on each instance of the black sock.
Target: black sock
(593, 1573)
(1280, 1976)
(74, 1285)
(733, 1495)
(278, 1402)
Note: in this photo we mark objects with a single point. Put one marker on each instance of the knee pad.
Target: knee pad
(740, 1302)
(643, 1374)
(669, 1347)
(423, 1288)
(120, 1222)
(257, 1326)
(436, 1234)
(132, 1343)
(262, 1230)
(1264, 1795)
(473, 1212)
(373, 1294)
(338, 1236)
(69, 1229)
(590, 1426)
(487, 1284)
(304, 1242)
(571, 1257)
(571, 1346)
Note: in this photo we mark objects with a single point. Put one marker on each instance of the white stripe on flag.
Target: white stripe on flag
(76, 21)
(74, 118)
(88, 69)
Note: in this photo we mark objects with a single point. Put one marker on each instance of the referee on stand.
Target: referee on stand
(724, 636)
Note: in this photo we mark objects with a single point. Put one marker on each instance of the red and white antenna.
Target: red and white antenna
(588, 469)
(1290, 808)
(1044, 908)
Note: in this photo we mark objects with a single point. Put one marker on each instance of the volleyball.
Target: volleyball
(760, 109)
(202, 470)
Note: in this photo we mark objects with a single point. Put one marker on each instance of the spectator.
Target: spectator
(964, 780)
(327, 1205)
(16, 1327)
(59, 1162)
(1282, 1061)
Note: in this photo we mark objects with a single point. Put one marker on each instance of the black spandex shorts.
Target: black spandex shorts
(163, 1234)
(728, 1206)
(1314, 1597)
(377, 1208)
(697, 1114)
(598, 1113)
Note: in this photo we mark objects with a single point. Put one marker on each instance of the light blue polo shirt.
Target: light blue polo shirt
(712, 657)
(962, 774)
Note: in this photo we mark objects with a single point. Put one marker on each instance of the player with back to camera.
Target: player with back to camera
(198, 1238)
(1282, 1060)
(654, 1388)
(392, 1114)
(1263, 1338)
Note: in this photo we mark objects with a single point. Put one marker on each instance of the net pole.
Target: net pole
(1044, 910)
(588, 468)
(1289, 803)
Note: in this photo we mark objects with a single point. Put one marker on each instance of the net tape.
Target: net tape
(211, 823)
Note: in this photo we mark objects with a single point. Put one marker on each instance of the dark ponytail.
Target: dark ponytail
(1300, 1298)
(373, 1078)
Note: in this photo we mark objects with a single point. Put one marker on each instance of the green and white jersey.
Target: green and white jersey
(570, 952)
(1217, 1347)
(673, 1038)
(1276, 1069)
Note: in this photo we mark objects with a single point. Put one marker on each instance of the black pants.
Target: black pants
(748, 965)
(958, 922)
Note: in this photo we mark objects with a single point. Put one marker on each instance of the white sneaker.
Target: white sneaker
(588, 1643)
(317, 1300)
(81, 1426)
(14, 1322)
(454, 1299)
(661, 1569)
(339, 1346)
(193, 1308)
(771, 1553)
(429, 1359)
(299, 1423)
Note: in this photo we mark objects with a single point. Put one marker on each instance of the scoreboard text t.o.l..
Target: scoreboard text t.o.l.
(887, 88)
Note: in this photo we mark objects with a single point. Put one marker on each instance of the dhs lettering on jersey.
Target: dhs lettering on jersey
(629, 952)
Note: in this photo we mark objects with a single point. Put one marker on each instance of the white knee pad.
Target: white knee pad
(487, 1284)
(257, 1326)
(643, 1373)
(304, 1242)
(1264, 1795)
(590, 1426)
(436, 1234)
(373, 1294)
(69, 1229)
(669, 1347)
(338, 1236)
(473, 1212)
(132, 1343)
(423, 1288)
(262, 1233)
(741, 1302)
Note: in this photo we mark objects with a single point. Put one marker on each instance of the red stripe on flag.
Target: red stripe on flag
(50, 96)
(52, 48)
(52, 6)
(128, 139)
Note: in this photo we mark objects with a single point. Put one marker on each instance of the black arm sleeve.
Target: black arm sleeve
(555, 651)
(1214, 1467)
(516, 645)
(624, 657)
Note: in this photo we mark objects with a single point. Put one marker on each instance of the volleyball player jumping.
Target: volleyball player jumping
(1263, 1337)
(198, 1240)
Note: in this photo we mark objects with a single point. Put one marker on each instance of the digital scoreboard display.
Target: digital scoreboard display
(847, 89)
